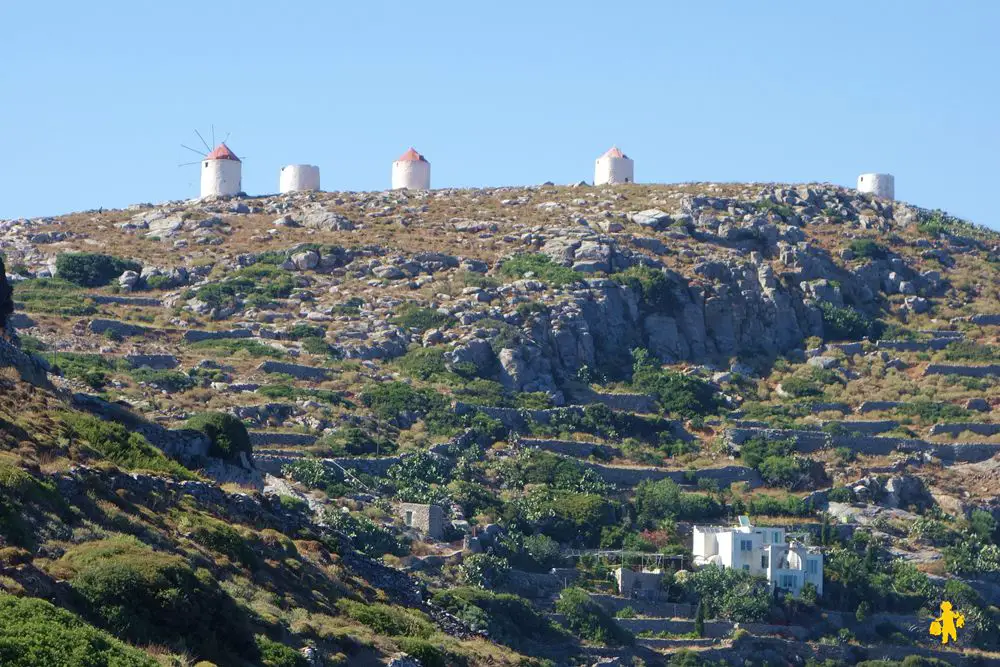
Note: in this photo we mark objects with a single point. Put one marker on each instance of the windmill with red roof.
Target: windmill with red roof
(221, 170)
(411, 171)
(614, 167)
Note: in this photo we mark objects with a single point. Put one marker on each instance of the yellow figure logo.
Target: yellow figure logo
(945, 624)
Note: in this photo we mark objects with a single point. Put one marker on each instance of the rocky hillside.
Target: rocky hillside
(215, 411)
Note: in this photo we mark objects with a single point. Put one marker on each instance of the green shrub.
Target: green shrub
(663, 499)
(868, 248)
(218, 536)
(731, 593)
(159, 282)
(589, 620)
(845, 323)
(509, 619)
(774, 460)
(841, 494)
(486, 571)
(295, 393)
(370, 538)
(229, 346)
(91, 369)
(92, 270)
(34, 632)
(228, 435)
(354, 441)
(423, 363)
(275, 654)
(768, 505)
(967, 350)
(929, 411)
(655, 288)
(387, 620)
(301, 330)
(53, 296)
(412, 316)
(122, 447)
(170, 381)
(149, 596)
(675, 393)
(542, 267)
(429, 654)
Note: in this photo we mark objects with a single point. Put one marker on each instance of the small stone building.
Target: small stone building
(428, 519)
(644, 584)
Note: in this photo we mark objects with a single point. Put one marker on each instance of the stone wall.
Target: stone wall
(653, 608)
(641, 403)
(957, 428)
(915, 345)
(295, 370)
(964, 371)
(631, 476)
(571, 447)
(195, 335)
(140, 301)
(713, 629)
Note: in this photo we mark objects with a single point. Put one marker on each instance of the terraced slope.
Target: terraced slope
(569, 373)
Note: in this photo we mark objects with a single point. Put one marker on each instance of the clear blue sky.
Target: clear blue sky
(95, 97)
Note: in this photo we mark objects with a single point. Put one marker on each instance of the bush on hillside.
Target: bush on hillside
(663, 499)
(541, 267)
(676, 393)
(92, 270)
(655, 288)
(228, 435)
(509, 619)
(149, 596)
(845, 323)
(730, 593)
(387, 620)
(589, 620)
(868, 248)
(276, 654)
(34, 632)
(122, 447)
(412, 316)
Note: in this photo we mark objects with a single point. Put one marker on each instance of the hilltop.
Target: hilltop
(213, 410)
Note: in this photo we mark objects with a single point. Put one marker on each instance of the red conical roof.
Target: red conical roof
(222, 152)
(411, 156)
(614, 151)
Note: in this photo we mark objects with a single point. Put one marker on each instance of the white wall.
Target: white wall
(298, 178)
(411, 174)
(612, 170)
(881, 185)
(221, 177)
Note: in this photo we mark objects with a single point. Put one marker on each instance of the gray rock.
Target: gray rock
(653, 217)
(305, 261)
(326, 220)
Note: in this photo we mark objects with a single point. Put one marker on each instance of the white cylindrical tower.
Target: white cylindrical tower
(221, 173)
(411, 171)
(614, 167)
(298, 178)
(881, 185)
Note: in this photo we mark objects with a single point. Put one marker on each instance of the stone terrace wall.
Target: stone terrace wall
(195, 335)
(964, 371)
(570, 447)
(629, 477)
(957, 428)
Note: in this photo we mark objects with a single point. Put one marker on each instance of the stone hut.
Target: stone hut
(428, 519)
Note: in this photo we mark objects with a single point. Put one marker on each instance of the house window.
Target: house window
(787, 581)
(763, 561)
(746, 568)
(746, 545)
(409, 518)
(777, 537)
(811, 566)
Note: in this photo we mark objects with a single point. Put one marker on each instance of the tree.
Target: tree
(92, 270)
(699, 620)
(228, 434)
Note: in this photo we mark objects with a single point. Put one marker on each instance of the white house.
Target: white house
(411, 171)
(614, 167)
(221, 172)
(881, 185)
(760, 551)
